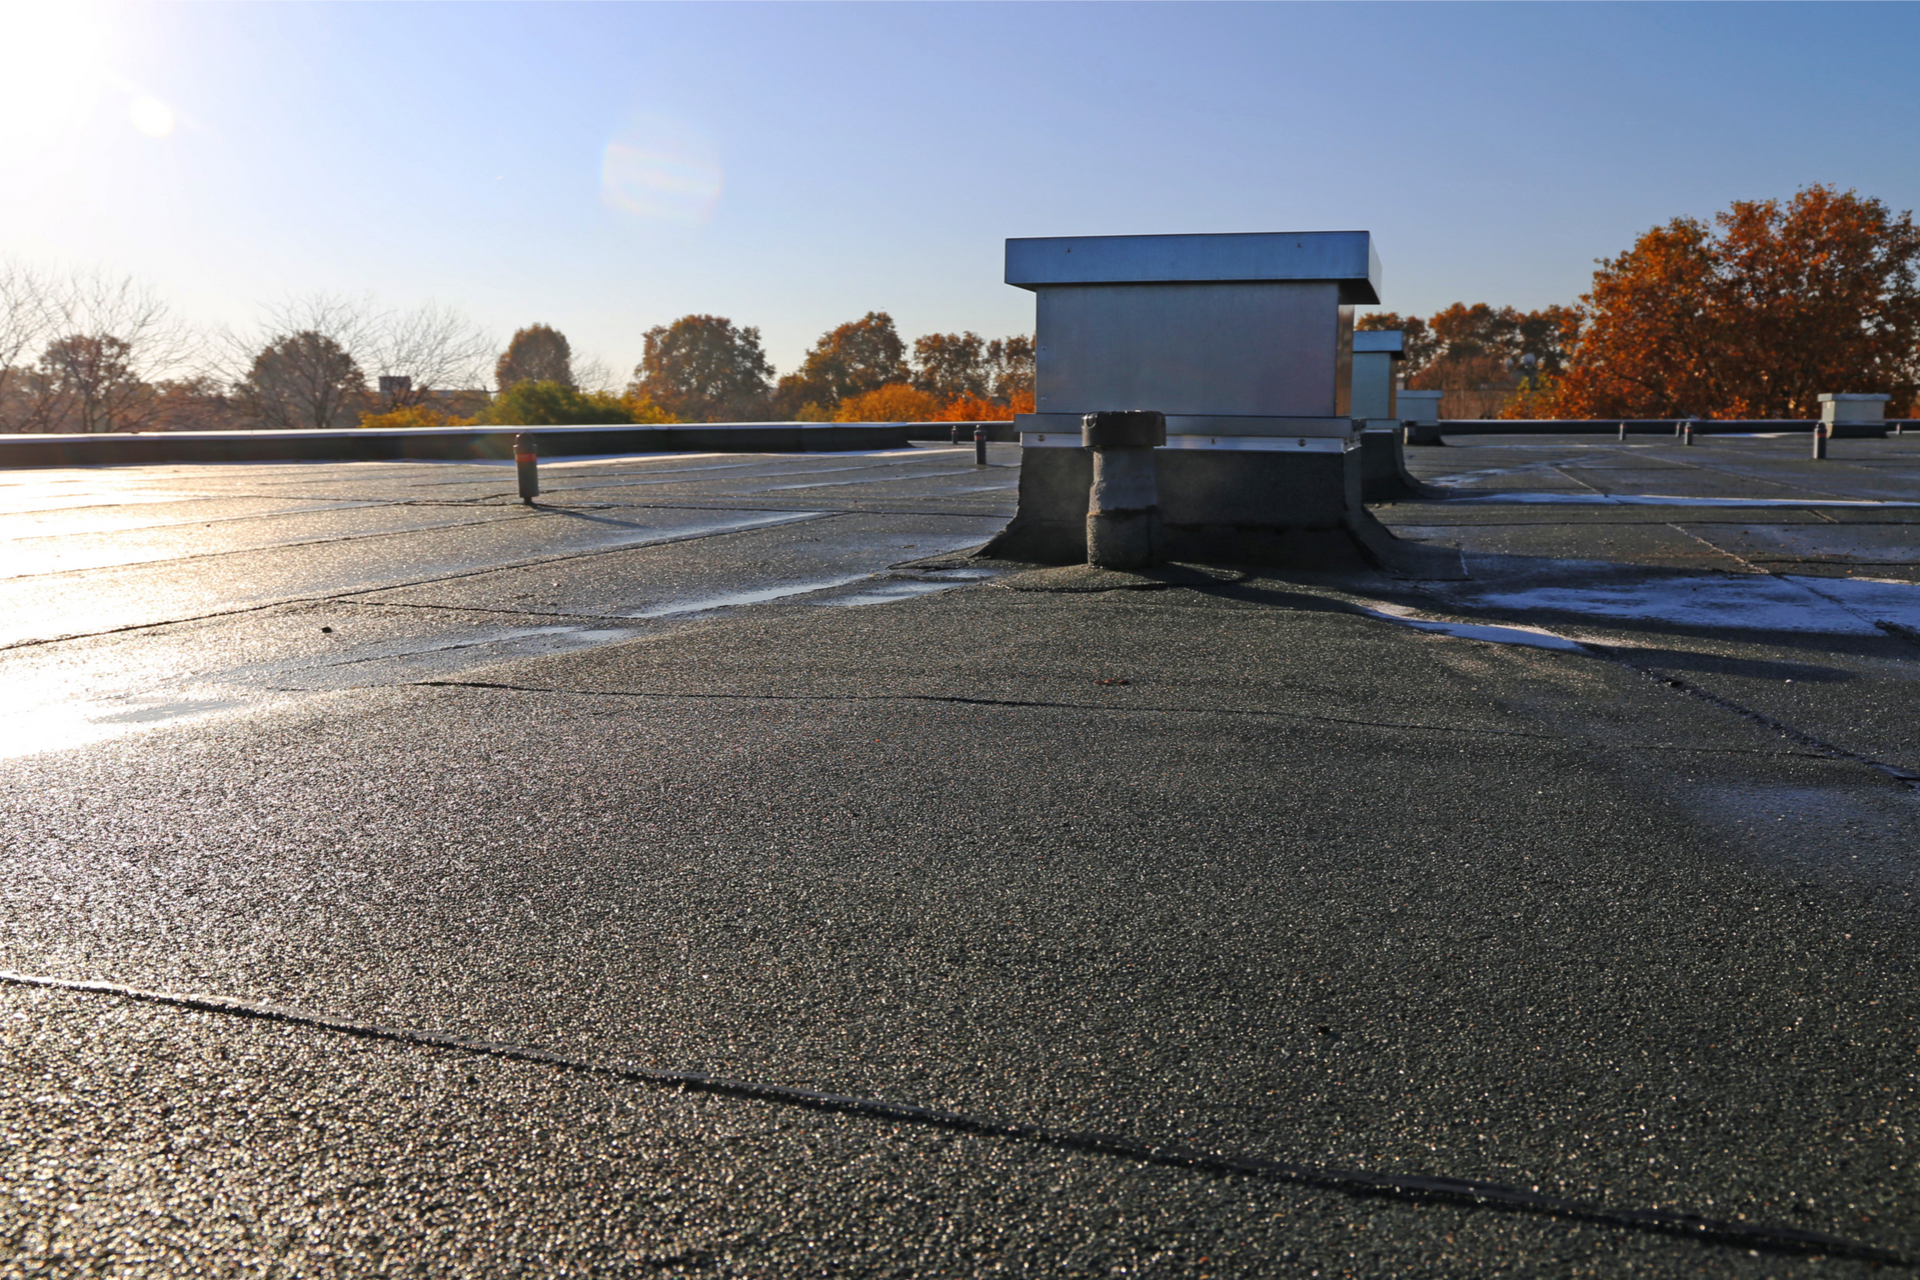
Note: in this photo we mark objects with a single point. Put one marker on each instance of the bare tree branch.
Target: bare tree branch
(25, 316)
(434, 345)
(595, 374)
(109, 338)
(24, 312)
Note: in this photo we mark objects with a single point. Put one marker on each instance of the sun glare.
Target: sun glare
(54, 69)
(151, 116)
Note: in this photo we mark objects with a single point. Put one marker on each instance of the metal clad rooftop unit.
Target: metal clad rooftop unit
(1236, 336)
(1375, 352)
(1243, 343)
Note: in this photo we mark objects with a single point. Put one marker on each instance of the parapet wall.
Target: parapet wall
(444, 443)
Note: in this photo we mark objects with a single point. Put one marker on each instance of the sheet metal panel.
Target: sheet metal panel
(1373, 392)
(1258, 350)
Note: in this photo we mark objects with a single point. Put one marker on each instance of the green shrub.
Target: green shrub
(553, 404)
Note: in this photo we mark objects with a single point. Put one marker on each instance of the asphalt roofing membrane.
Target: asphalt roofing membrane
(696, 874)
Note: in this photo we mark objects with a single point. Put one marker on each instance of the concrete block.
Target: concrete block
(1123, 508)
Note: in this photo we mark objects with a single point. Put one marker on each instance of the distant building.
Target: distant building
(460, 402)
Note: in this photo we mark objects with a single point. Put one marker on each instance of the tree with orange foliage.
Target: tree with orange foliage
(1482, 346)
(981, 409)
(950, 364)
(895, 402)
(1415, 341)
(412, 417)
(1491, 353)
(1010, 370)
(1753, 318)
(899, 402)
(849, 360)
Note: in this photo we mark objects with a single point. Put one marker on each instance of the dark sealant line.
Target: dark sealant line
(1818, 746)
(963, 700)
(1415, 1188)
(1900, 629)
(1037, 704)
(475, 608)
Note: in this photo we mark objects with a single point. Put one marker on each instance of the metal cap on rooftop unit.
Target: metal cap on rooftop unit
(1346, 258)
(1391, 341)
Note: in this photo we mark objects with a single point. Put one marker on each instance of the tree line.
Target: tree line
(1751, 316)
(112, 357)
(705, 368)
(92, 352)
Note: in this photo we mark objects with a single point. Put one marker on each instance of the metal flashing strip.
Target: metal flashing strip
(1266, 444)
(1202, 424)
(1231, 444)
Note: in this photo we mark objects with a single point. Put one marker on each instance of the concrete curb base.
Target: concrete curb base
(1296, 511)
(1383, 470)
(1080, 579)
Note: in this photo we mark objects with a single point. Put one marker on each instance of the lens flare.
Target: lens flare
(662, 169)
(151, 116)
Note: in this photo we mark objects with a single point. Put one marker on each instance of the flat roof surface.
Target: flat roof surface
(1583, 875)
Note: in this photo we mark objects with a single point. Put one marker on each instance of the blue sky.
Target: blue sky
(796, 165)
